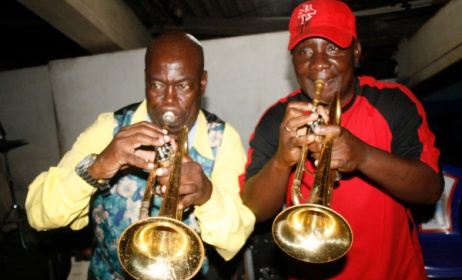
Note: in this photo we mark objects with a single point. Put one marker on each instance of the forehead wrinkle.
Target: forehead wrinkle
(167, 76)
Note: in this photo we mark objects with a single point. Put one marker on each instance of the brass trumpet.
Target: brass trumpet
(312, 232)
(162, 247)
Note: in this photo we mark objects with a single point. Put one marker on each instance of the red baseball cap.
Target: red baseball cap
(329, 19)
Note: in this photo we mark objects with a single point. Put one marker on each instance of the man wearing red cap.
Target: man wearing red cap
(383, 148)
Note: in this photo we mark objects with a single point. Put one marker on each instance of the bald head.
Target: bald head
(175, 78)
(176, 44)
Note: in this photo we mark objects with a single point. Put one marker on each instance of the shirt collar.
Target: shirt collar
(202, 141)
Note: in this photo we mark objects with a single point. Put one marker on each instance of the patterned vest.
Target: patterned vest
(112, 213)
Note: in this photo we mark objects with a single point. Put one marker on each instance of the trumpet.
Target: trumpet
(162, 247)
(313, 232)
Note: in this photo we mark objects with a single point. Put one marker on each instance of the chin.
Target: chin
(174, 129)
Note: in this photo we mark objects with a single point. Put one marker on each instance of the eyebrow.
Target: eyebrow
(185, 79)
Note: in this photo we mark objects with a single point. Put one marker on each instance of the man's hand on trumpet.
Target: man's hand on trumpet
(195, 187)
(348, 151)
(126, 149)
(292, 132)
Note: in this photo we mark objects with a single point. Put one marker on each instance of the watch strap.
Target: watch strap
(82, 170)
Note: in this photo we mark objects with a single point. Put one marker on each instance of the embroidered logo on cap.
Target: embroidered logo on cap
(305, 14)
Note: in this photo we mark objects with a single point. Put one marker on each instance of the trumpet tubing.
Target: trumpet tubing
(162, 247)
(313, 232)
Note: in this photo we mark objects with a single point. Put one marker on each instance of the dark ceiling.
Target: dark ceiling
(380, 22)
(30, 41)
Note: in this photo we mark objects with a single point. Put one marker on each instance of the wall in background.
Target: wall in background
(26, 113)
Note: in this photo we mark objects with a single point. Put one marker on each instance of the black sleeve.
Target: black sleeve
(264, 141)
(406, 141)
(403, 118)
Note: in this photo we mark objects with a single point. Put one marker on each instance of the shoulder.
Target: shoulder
(104, 120)
(387, 96)
(129, 114)
(217, 125)
(129, 108)
(276, 111)
(211, 117)
(370, 87)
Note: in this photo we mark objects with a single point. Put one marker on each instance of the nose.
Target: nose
(320, 62)
(170, 95)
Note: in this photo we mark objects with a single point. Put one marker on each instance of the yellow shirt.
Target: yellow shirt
(59, 197)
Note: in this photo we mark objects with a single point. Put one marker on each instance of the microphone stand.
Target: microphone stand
(5, 146)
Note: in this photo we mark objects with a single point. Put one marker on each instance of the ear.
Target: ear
(204, 82)
(357, 52)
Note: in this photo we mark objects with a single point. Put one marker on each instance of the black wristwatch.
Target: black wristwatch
(82, 170)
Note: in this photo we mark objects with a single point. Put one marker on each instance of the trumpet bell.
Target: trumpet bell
(312, 233)
(160, 248)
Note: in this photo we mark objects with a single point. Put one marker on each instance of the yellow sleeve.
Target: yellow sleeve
(225, 222)
(59, 197)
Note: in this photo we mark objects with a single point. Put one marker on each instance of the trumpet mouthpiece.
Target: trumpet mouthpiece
(168, 117)
(319, 84)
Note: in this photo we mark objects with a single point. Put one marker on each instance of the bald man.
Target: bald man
(103, 177)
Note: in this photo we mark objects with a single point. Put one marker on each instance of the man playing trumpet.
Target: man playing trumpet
(104, 174)
(382, 147)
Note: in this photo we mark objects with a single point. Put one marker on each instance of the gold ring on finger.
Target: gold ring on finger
(293, 133)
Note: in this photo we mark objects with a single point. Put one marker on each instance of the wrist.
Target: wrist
(95, 170)
(82, 169)
(280, 164)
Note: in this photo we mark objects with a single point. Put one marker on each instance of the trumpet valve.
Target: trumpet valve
(164, 154)
(313, 125)
(316, 123)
